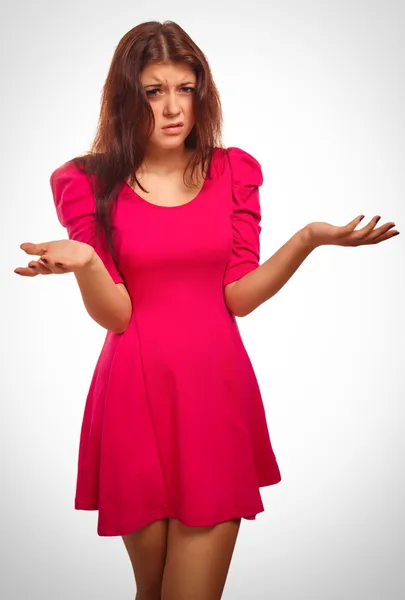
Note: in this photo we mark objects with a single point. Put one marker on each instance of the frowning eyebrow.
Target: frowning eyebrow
(160, 84)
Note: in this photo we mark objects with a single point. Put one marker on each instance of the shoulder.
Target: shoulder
(68, 171)
(70, 182)
(72, 192)
(246, 169)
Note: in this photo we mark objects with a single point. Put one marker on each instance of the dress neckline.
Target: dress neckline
(131, 190)
(174, 206)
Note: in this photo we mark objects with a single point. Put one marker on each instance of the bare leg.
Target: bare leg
(198, 560)
(147, 551)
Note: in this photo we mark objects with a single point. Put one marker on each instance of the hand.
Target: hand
(324, 234)
(61, 256)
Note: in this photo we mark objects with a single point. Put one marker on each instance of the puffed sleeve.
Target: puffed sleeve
(75, 207)
(247, 177)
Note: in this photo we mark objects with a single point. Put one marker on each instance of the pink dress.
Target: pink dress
(174, 424)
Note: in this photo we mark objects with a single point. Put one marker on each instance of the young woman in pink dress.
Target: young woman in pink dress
(163, 225)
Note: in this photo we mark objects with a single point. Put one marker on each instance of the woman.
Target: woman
(174, 444)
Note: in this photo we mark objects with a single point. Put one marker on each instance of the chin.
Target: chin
(170, 142)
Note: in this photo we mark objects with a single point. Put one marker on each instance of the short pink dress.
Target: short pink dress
(174, 424)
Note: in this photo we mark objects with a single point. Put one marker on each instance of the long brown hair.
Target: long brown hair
(126, 117)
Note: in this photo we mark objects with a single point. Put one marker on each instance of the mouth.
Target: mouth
(174, 125)
(173, 129)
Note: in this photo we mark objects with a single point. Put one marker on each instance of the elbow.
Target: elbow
(236, 310)
(126, 315)
(233, 300)
(243, 296)
(239, 312)
(123, 325)
(119, 327)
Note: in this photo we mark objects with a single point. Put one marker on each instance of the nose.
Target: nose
(172, 105)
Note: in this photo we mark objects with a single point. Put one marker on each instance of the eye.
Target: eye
(151, 92)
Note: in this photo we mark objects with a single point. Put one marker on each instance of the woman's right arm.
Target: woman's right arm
(108, 303)
(101, 284)
(106, 300)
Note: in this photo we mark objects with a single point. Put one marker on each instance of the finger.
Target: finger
(385, 236)
(26, 271)
(364, 231)
(51, 265)
(39, 267)
(33, 268)
(31, 248)
(376, 233)
(353, 224)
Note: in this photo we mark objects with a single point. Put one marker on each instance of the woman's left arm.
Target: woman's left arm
(250, 291)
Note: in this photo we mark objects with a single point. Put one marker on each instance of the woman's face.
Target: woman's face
(170, 89)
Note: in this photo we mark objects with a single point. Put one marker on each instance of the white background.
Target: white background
(315, 91)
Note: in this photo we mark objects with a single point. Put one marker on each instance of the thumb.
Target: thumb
(30, 248)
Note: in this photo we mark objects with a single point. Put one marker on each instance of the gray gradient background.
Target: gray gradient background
(314, 90)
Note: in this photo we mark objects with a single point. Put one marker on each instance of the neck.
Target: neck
(162, 161)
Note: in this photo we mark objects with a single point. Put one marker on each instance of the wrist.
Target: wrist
(308, 239)
(92, 261)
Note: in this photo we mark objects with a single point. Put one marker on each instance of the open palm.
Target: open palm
(324, 234)
(58, 257)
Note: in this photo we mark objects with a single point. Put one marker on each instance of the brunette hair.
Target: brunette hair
(126, 117)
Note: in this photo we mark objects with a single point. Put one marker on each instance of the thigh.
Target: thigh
(147, 552)
(198, 560)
